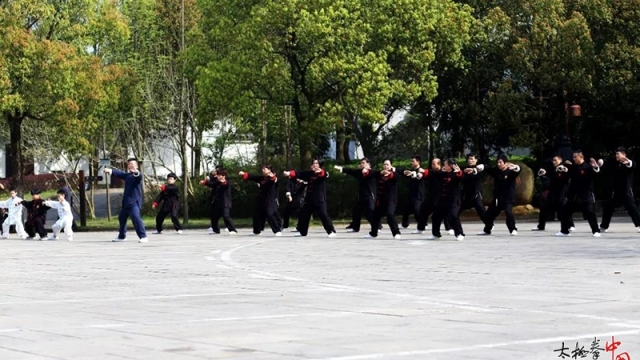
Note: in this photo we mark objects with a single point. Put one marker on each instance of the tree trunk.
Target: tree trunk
(346, 150)
(340, 140)
(15, 128)
(368, 139)
(305, 150)
(197, 154)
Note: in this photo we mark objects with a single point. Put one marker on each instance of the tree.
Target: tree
(52, 78)
(324, 58)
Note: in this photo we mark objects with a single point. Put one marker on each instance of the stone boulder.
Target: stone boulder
(525, 186)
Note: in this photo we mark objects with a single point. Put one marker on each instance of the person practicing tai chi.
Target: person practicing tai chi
(131, 200)
(472, 187)
(267, 200)
(387, 200)
(504, 194)
(556, 199)
(580, 194)
(416, 192)
(316, 199)
(36, 216)
(429, 204)
(220, 201)
(15, 215)
(169, 196)
(296, 191)
(366, 192)
(622, 172)
(65, 216)
(448, 203)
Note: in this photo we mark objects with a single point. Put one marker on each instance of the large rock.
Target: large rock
(525, 186)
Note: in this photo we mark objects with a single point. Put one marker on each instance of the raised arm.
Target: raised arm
(247, 177)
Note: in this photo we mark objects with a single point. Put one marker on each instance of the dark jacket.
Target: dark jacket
(504, 184)
(557, 183)
(316, 185)
(622, 176)
(472, 184)
(435, 184)
(169, 195)
(36, 209)
(581, 187)
(416, 185)
(450, 188)
(366, 183)
(268, 193)
(132, 195)
(297, 189)
(387, 187)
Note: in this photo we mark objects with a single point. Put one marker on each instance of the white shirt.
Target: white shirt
(15, 212)
(64, 209)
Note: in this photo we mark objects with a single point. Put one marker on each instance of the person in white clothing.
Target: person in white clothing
(15, 215)
(65, 216)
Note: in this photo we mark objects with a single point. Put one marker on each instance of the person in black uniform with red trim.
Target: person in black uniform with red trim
(296, 190)
(416, 192)
(472, 188)
(429, 204)
(581, 196)
(622, 172)
(220, 201)
(504, 194)
(558, 188)
(36, 216)
(316, 199)
(448, 203)
(169, 196)
(386, 201)
(267, 200)
(366, 193)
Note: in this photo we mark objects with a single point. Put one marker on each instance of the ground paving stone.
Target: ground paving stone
(200, 296)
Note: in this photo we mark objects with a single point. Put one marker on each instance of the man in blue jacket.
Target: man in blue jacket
(131, 200)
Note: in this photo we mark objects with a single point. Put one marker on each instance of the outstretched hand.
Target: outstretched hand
(593, 162)
(108, 171)
(468, 171)
(241, 173)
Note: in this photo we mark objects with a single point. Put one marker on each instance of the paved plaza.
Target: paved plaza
(198, 296)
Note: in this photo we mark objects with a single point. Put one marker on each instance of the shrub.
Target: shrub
(43, 182)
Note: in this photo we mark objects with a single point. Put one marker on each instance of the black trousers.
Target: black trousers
(305, 217)
(449, 212)
(217, 212)
(473, 202)
(550, 206)
(364, 207)
(35, 226)
(388, 209)
(494, 210)
(289, 210)
(625, 200)
(266, 213)
(588, 209)
(162, 214)
(426, 210)
(412, 207)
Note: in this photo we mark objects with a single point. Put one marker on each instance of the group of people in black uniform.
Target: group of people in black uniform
(569, 188)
